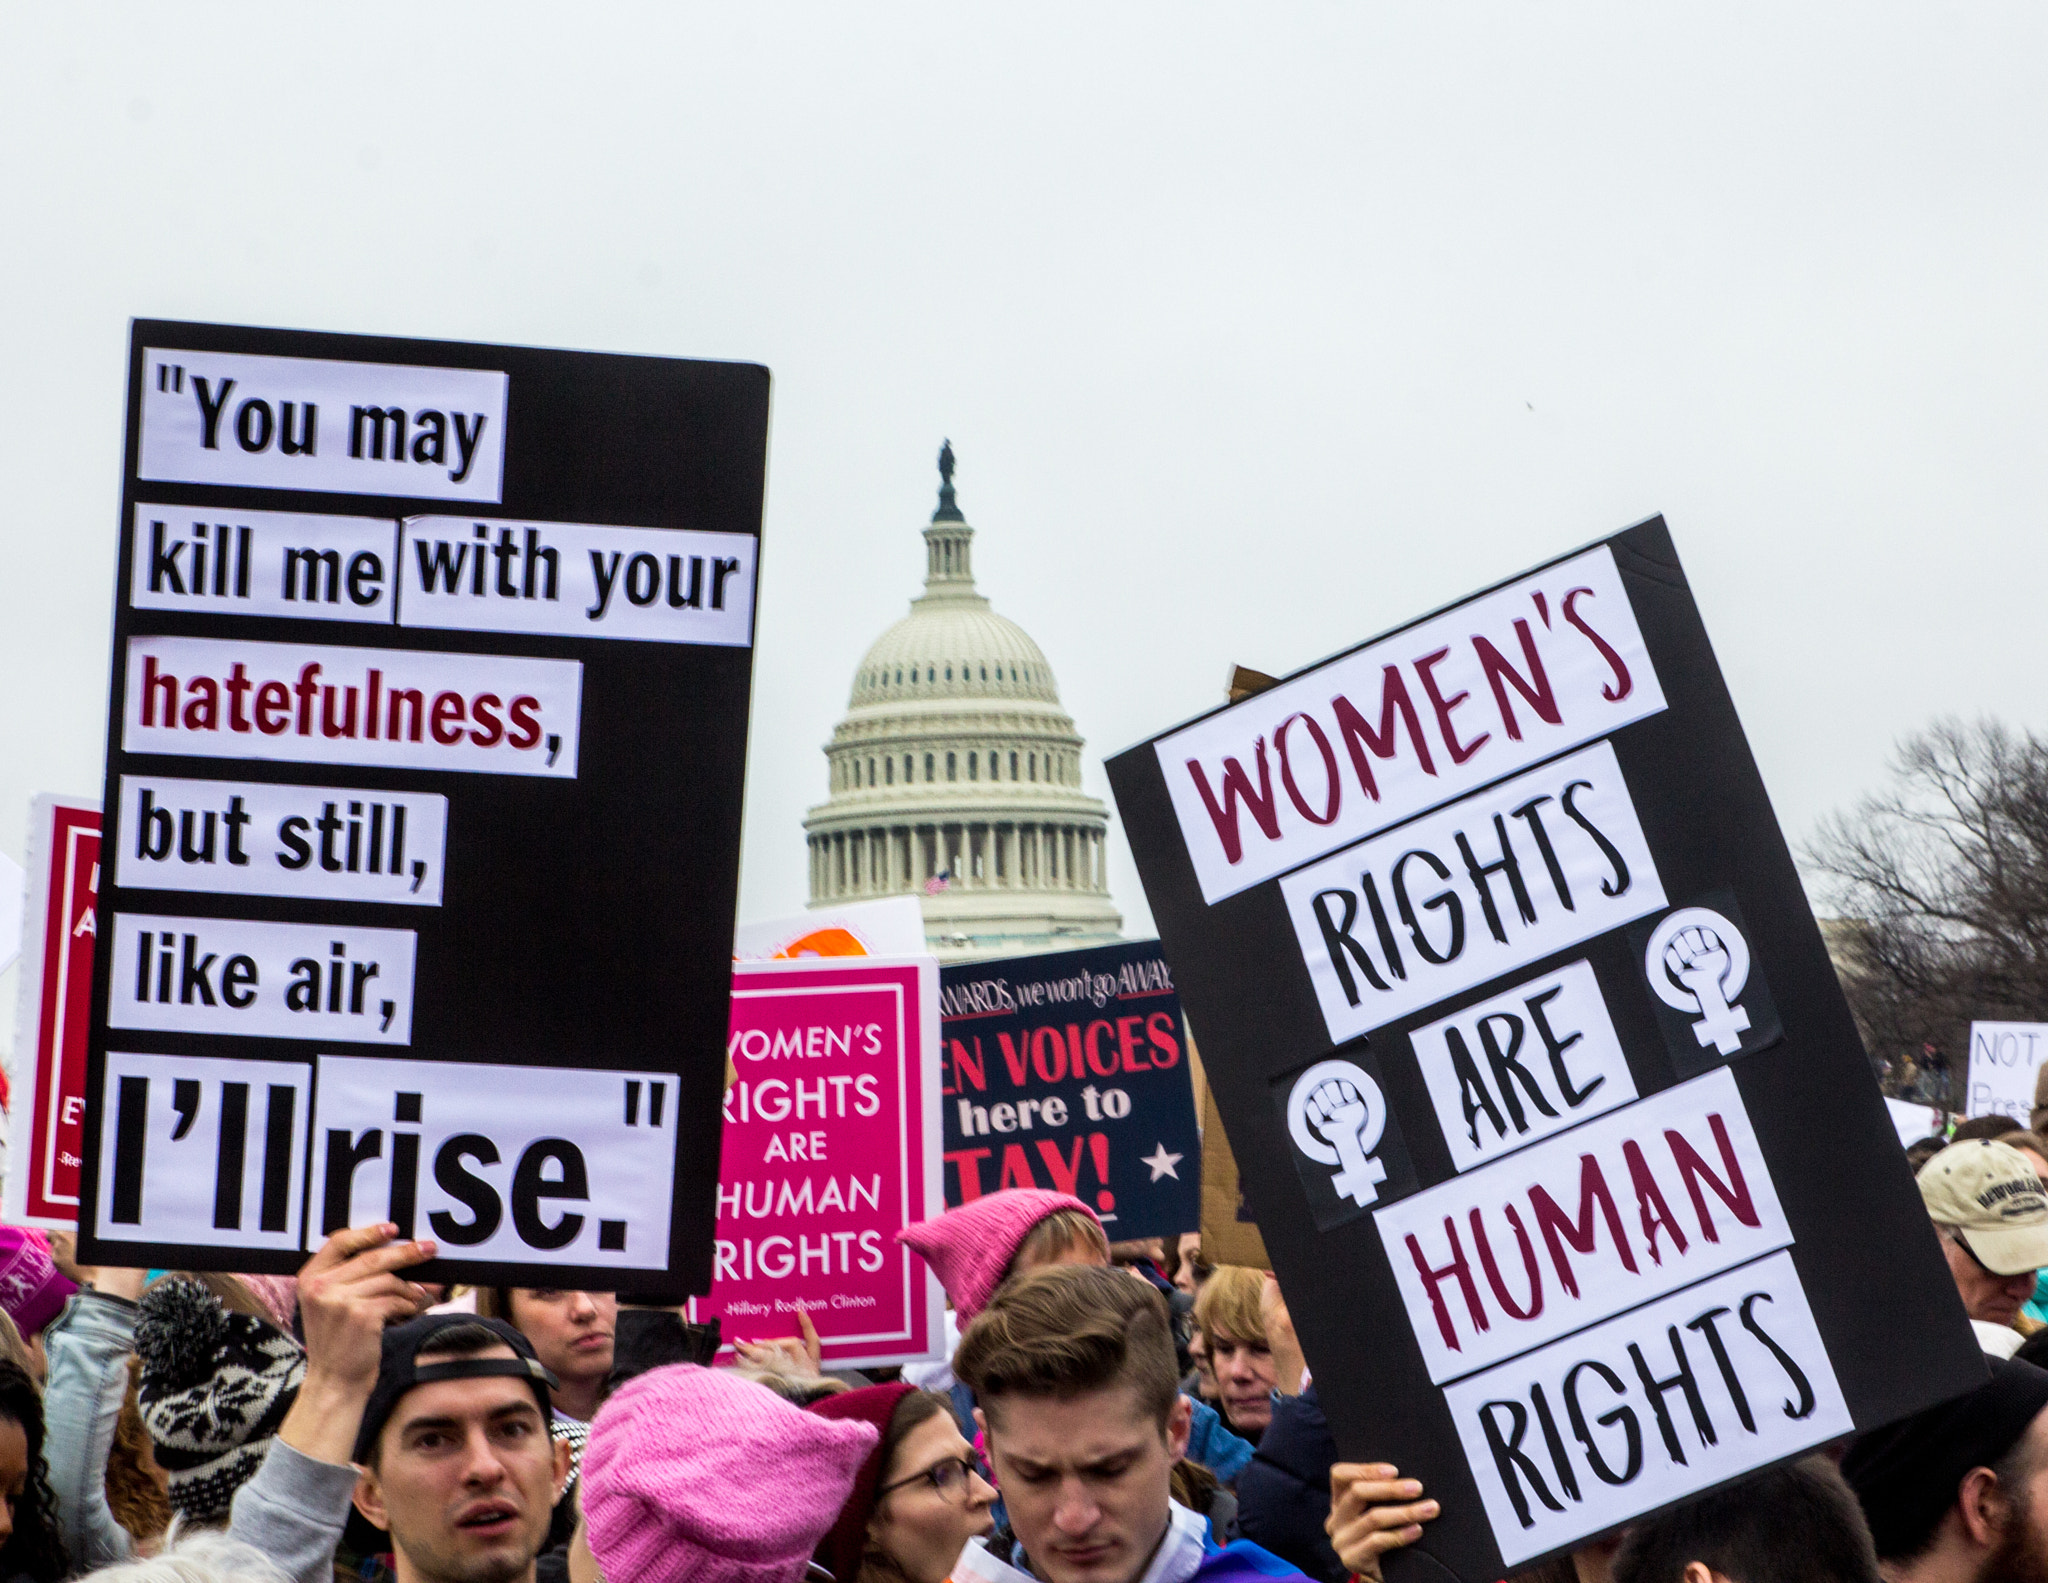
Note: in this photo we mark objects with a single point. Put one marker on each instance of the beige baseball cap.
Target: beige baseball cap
(1989, 1193)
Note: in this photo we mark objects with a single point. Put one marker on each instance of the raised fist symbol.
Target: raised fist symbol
(1335, 1115)
(1336, 1109)
(1698, 963)
(1696, 949)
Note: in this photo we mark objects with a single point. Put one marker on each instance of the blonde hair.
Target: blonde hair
(1060, 1232)
(1229, 1302)
(234, 1296)
(792, 1385)
(17, 1351)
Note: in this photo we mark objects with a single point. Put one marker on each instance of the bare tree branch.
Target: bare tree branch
(1941, 885)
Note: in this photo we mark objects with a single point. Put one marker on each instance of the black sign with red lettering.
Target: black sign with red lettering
(1070, 1072)
(425, 742)
(1526, 1041)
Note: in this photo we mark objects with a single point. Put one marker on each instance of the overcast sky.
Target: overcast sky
(1257, 328)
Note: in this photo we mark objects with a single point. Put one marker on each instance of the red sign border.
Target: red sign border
(57, 824)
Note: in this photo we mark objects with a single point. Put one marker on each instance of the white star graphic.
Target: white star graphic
(1161, 1162)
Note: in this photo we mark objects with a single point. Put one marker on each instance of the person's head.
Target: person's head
(216, 1385)
(198, 1555)
(693, 1475)
(2033, 1146)
(138, 1494)
(918, 1498)
(33, 1290)
(1074, 1372)
(975, 1248)
(458, 1462)
(1738, 1534)
(572, 1333)
(1205, 1376)
(1991, 1212)
(1962, 1488)
(34, 1362)
(1232, 1329)
(1191, 1269)
(1979, 1128)
(1066, 1236)
(1919, 1153)
(31, 1544)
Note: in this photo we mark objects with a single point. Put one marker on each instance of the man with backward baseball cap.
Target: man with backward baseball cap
(1992, 1216)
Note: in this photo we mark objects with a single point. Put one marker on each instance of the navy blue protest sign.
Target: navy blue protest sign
(1070, 1072)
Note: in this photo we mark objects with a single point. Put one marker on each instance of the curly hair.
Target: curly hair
(36, 1548)
(136, 1486)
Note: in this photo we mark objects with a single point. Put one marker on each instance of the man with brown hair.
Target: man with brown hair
(1074, 1373)
(1958, 1493)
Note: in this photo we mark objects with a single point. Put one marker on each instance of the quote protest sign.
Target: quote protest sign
(2005, 1064)
(60, 930)
(425, 741)
(1522, 1029)
(831, 1148)
(1070, 1071)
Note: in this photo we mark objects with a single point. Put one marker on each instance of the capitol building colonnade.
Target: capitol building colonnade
(956, 776)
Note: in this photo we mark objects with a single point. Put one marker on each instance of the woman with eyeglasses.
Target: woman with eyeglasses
(917, 1500)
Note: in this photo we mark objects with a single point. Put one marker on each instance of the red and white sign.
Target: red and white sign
(831, 1146)
(1596, 1221)
(1435, 711)
(62, 925)
(303, 703)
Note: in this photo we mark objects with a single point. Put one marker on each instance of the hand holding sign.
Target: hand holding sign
(348, 1292)
(1373, 1510)
(1288, 1364)
(799, 1355)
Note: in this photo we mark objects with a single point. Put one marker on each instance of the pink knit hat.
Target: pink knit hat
(694, 1473)
(970, 1248)
(31, 1290)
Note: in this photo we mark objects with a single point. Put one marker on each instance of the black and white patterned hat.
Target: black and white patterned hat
(215, 1386)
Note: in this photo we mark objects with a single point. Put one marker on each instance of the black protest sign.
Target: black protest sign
(429, 710)
(1071, 1072)
(1546, 1097)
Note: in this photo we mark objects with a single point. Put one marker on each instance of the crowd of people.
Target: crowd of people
(1107, 1413)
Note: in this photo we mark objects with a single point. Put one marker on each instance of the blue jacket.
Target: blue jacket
(1241, 1559)
(1215, 1446)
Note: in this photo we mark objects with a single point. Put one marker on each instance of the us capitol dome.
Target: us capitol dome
(956, 776)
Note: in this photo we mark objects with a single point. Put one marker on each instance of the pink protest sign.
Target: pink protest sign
(831, 1147)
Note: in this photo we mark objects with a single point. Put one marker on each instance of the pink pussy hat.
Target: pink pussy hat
(31, 1290)
(694, 1473)
(970, 1249)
